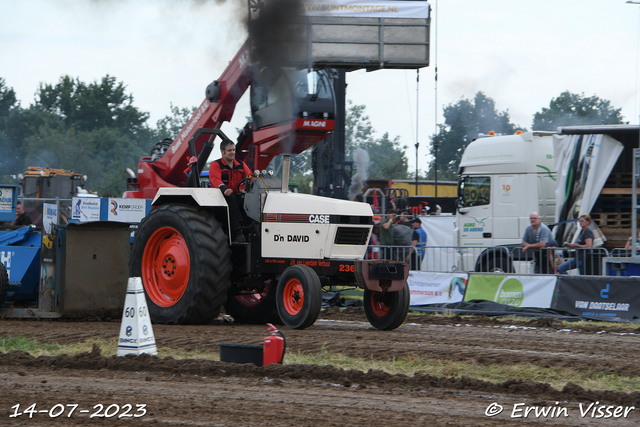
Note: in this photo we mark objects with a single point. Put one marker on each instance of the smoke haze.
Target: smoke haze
(361, 157)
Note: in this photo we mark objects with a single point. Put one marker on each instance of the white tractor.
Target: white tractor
(297, 244)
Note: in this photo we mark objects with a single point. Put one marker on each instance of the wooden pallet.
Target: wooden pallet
(612, 219)
(612, 203)
(619, 180)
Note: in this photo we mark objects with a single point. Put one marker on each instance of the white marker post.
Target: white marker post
(136, 334)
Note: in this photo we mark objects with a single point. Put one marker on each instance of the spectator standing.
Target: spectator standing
(585, 241)
(393, 201)
(404, 219)
(22, 218)
(386, 234)
(418, 244)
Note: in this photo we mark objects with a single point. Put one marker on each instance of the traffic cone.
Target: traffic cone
(136, 334)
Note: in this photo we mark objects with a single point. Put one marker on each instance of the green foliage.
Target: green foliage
(358, 128)
(464, 121)
(100, 154)
(93, 129)
(8, 101)
(97, 105)
(303, 180)
(171, 125)
(8, 106)
(570, 109)
(387, 157)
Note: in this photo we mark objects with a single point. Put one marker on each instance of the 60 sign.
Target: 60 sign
(131, 311)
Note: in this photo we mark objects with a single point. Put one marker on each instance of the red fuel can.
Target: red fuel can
(274, 346)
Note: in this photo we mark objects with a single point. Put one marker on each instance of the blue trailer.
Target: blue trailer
(20, 258)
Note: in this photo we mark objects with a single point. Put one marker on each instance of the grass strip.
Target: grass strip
(556, 377)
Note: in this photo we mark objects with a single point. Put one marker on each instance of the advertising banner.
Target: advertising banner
(127, 210)
(367, 9)
(85, 209)
(7, 203)
(516, 291)
(602, 298)
(47, 299)
(436, 288)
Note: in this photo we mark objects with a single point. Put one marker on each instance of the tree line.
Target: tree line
(95, 129)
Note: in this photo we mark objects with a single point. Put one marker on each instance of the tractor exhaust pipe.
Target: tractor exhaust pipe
(286, 165)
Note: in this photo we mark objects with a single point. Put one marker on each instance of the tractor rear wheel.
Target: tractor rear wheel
(299, 296)
(183, 258)
(256, 308)
(4, 283)
(386, 310)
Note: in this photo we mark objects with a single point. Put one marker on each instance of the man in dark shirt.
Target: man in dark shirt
(21, 217)
(418, 244)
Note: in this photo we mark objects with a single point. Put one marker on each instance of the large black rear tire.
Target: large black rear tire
(4, 283)
(299, 296)
(386, 310)
(257, 309)
(183, 257)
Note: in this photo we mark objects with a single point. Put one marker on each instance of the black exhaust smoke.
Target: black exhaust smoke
(274, 28)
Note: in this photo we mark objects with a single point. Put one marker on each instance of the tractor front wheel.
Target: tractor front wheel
(386, 310)
(299, 296)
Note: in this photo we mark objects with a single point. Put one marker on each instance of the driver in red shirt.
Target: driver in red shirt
(227, 173)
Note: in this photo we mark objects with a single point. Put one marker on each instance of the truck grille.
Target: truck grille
(352, 236)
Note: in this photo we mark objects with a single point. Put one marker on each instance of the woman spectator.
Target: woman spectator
(585, 241)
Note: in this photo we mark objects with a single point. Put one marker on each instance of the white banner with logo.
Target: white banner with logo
(516, 291)
(436, 288)
(47, 294)
(6, 201)
(85, 209)
(127, 210)
(367, 9)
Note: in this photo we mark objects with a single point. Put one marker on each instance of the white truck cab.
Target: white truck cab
(502, 180)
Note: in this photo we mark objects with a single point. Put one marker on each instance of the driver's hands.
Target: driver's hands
(228, 192)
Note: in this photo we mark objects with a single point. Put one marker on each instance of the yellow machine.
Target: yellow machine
(48, 183)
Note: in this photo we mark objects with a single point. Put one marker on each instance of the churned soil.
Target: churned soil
(210, 393)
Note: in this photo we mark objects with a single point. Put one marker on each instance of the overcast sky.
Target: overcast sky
(520, 53)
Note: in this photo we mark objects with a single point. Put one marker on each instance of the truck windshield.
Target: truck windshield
(57, 186)
(474, 191)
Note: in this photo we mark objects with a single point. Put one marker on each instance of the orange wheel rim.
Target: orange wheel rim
(293, 297)
(165, 266)
(379, 307)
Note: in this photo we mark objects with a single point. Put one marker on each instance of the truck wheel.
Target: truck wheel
(253, 308)
(4, 283)
(299, 296)
(386, 310)
(183, 258)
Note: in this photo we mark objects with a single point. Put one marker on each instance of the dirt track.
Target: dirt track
(192, 392)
